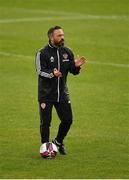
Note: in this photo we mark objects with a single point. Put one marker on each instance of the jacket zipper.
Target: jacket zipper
(58, 85)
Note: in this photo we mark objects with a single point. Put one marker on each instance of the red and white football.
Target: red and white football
(48, 150)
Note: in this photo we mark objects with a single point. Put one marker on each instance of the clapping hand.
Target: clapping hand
(80, 61)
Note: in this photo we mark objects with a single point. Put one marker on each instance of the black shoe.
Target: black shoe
(60, 146)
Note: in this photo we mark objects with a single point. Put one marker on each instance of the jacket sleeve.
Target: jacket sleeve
(73, 69)
(41, 66)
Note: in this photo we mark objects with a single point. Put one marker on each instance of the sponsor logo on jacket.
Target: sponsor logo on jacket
(52, 59)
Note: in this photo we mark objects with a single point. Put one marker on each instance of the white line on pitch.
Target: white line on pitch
(89, 62)
(109, 64)
(80, 17)
(16, 55)
(66, 14)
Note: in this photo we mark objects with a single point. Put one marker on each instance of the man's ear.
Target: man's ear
(51, 39)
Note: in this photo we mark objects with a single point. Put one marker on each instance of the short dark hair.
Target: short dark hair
(51, 30)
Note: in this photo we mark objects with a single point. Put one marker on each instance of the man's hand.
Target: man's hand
(57, 73)
(80, 61)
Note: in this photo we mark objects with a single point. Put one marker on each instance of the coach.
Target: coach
(53, 62)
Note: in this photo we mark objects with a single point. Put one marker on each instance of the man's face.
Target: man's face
(58, 37)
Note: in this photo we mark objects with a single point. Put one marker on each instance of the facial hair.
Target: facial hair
(60, 43)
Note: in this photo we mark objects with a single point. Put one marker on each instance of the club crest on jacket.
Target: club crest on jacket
(65, 56)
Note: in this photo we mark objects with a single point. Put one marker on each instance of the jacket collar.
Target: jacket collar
(50, 45)
(53, 47)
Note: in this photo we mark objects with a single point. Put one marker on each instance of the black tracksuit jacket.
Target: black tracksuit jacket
(51, 88)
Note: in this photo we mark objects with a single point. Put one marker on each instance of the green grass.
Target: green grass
(98, 142)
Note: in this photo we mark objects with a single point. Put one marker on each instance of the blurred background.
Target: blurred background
(98, 141)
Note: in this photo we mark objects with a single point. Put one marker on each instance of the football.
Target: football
(48, 150)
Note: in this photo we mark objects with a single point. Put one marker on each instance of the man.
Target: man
(53, 62)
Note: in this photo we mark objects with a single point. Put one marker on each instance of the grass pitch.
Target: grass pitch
(98, 142)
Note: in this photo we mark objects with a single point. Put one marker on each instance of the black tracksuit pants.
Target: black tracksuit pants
(64, 112)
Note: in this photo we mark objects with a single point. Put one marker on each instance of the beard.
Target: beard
(60, 43)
